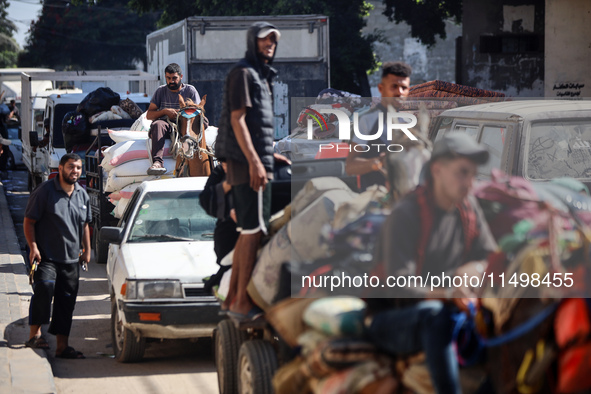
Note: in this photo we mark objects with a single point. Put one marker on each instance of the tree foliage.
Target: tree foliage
(8, 46)
(84, 35)
(425, 17)
(351, 53)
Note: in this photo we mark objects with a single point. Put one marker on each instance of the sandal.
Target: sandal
(70, 353)
(254, 314)
(37, 343)
(156, 169)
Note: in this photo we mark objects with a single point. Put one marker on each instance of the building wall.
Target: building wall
(438, 62)
(568, 48)
(503, 46)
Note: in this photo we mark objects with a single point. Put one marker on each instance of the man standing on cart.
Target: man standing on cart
(245, 141)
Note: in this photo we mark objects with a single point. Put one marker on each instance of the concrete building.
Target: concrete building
(437, 62)
(527, 48)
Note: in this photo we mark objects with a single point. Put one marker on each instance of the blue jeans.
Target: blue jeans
(425, 327)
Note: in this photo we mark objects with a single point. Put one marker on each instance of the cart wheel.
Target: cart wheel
(257, 363)
(101, 249)
(227, 344)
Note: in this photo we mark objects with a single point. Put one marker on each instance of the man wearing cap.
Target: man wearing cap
(437, 228)
(245, 141)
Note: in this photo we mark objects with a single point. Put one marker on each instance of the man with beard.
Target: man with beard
(165, 104)
(245, 141)
(56, 227)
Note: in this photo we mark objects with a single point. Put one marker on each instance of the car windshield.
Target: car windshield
(559, 148)
(171, 217)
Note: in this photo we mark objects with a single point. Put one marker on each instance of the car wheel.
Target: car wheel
(257, 363)
(128, 347)
(227, 344)
(101, 249)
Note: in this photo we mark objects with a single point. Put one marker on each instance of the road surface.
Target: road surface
(170, 366)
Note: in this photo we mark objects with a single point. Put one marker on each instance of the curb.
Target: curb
(22, 370)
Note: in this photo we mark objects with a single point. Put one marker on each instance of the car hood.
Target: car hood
(188, 262)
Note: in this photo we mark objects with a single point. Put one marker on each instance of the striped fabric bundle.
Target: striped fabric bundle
(428, 89)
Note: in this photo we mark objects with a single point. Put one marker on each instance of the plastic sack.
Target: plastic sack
(142, 124)
(120, 208)
(117, 110)
(224, 287)
(116, 183)
(101, 99)
(102, 116)
(126, 135)
(126, 151)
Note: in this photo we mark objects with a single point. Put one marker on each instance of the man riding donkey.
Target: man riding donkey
(437, 228)
(165, 105)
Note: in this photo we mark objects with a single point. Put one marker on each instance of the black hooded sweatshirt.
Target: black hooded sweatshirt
(259, 117)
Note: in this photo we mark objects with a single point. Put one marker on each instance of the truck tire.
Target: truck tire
(227, 340)
(101, 249)
(128, 347)
(257, 363)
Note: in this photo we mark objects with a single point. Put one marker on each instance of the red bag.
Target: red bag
(572, 327)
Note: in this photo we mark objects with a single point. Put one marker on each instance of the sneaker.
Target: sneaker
(156, 169)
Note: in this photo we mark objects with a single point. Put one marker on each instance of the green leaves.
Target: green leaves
(425, 17)
(83, 35)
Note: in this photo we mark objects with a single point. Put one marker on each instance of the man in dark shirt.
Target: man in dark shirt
(369, 165)
(438, 228)
(165, 104)
(245, 141)
(56, 227)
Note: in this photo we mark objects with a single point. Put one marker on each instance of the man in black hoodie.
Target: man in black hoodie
(245, 141)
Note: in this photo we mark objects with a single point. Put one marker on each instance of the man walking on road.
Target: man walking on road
(165, 104)
(56, 227)
(245, 141)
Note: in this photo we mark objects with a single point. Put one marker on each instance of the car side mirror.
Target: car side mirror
(20, 133)
(33, 138)
(112, 235)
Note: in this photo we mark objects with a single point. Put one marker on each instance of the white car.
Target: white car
(159, 254)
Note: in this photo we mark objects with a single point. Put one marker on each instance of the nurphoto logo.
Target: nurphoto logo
(394, 121)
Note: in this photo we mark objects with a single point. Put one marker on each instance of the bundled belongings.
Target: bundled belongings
(462, 95)
(125, 165)
(75, 130)
(101, 99)
(333, 355)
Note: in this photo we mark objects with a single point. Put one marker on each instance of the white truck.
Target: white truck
(42, 162)
(206, 48)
